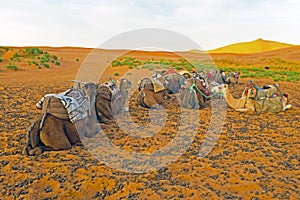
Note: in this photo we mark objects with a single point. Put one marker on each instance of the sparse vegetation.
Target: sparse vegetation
(15, 57)
(12, 67)
(278, 78)
(273, 63)
(116, 74)
(281, 69)
(33, 52)
(77, 60)
(35, 56)
(180, 64)
(290, 76)
(46, 65)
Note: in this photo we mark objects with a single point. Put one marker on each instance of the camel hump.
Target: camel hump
(54, 106)
(70, 105)
(109, 91)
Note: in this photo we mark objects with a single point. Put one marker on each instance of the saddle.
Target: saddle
(267, 91)
(147, 84)
(157, 84)
(268, 98)
(72, 105)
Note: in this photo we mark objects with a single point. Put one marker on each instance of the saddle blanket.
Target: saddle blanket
(75, 102)
(157, 85)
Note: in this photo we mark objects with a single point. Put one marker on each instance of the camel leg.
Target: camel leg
(287, 107)
(26, 150)
(243, 109)
(150, 102)
(39, 150)
(166, 95)
(285, 103)
(32, 136)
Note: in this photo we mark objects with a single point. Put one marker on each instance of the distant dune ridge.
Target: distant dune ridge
(254, 46)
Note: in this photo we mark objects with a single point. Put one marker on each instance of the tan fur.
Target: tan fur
(245, 103)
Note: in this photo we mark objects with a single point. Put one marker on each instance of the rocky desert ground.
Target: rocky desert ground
(256, 156)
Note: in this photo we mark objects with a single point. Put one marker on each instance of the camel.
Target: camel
(233, 79)
(110, 101)
(57, 132)
(246, 103)
(173, 80)
(148, 97)
(191, 95)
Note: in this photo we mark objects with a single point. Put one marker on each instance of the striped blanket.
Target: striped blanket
(74, 101)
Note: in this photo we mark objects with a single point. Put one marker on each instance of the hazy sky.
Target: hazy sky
(211, 23)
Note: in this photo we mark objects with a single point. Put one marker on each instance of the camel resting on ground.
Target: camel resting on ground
(191, 95)
(57, 132)
(148, 97)
(246, 103)
(111, 100)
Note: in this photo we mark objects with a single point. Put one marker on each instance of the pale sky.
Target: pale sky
(210, 23)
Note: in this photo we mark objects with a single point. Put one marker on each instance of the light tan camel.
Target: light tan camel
(245, 103)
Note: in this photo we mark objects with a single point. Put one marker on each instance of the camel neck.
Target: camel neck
(233, 102)
(92, 105)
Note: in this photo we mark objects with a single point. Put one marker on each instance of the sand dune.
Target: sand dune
(254, 46)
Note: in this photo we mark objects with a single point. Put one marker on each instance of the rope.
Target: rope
(203, 94)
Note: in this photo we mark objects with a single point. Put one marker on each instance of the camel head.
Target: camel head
(90, 89)
(220, 89)
(124, 84)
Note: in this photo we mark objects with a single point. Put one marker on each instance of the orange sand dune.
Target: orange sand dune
(254, 46)
(289, 53)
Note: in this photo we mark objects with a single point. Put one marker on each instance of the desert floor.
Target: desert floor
(256, 156)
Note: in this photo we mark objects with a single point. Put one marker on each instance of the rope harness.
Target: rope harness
(192, 89)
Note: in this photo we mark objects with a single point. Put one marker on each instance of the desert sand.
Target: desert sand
(257, 156)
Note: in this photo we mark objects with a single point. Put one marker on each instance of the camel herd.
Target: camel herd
(63, 121)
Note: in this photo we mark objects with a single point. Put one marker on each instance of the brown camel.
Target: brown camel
(246, 103)
(233, 79)
(148, 97)
(174, 82)
(110, 101)
(191, 95)
(57, 132)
